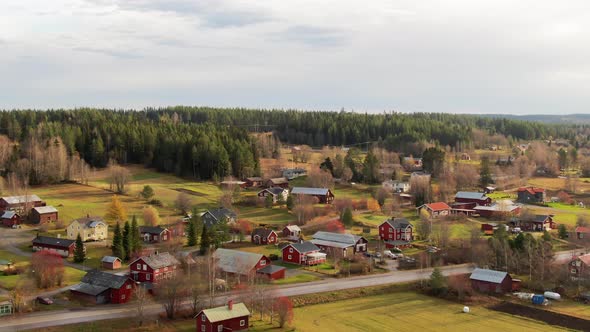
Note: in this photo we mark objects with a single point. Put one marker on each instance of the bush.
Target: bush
(155, 202)
(273, 257)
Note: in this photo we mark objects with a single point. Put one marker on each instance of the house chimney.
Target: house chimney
(230, 304)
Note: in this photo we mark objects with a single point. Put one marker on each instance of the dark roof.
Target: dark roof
(160, 260)
(104, 279)
(398, 223)
(310, 191)
(262, 232)
(212, 217)
(90, 222)
(336, 237)
(54, 241)
(275, 190)
(88, 289)
(151, 229)
(8, 214)
(540, 218)
(471, 195)
(109, 259)
(304, 247)
(270, 269)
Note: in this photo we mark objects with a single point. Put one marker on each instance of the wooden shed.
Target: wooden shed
(490, 281)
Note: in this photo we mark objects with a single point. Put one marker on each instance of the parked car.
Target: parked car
(367, 254)
(16, 226)
(392, 255)
(44, 300)
(516, 230)
(378, 255)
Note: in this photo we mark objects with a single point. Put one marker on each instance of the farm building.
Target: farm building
(277, 194)
(102, 287)
(421, 175)
(63, 247)
(292, 173)
(489, 189)
(277, 182)
(489, 228)
(339, 245)
(582, 232)
(110, 262)
(396, 233)
(396, 186)
(536, 223)
(490, 281)
(473, 198)
(154, 267)
(272, 272)
(241, 263)
(232, 317)
(10, 218)
(498, 209)
(531, 195)
(291, 232)
(580, 266)
(323, 195)
(254, 182)
(89, 228)
(303, 253)
(5, 308)
(215, 216)
(43, 214)
(435, 210)
(264, 236)
(20, 203)
(233, 184)
(178, 228)
(154, 234)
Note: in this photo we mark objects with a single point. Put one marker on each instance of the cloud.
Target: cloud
(312, 35)
(111, 53)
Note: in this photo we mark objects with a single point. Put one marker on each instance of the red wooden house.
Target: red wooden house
(43, 214)
(323, 195)
(339, 245)
(264, 236)
(157, 234)
(110, 262)
(240, 263)
(10, 218)
(62, 247)
(232, 317)
(490, 281)
(272, 272)
(531, 195)
(537, 223)
(154, 267)
(277, 182)
(291, 232)
(580, 267)
(20, 203)
(471, 199)
(102, 287)
(396, 233)
(254, 182)
(582, 232)
(303, 253)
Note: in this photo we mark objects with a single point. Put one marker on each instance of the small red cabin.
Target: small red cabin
(154, 267)
(231, 317)
(10, 218)
(304, 253)
(102, 287)
(264, 236)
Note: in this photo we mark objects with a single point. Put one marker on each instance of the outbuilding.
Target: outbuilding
(10, 218)
(272, 272)
(111, 262)
(491, 281)
(231, 317)
(43, 214)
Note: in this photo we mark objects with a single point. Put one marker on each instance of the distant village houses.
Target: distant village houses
(89, 229)
(215, 216)
(396, 233)
(531, 195)
(323, 195)
(43, 214)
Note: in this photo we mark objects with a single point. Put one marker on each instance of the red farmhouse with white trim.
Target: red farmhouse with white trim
(396, 233)
(157, 234)
(232, 317)
(264, 236)
(154, 267)
(303, 253)
(435, 210)
(102, 287)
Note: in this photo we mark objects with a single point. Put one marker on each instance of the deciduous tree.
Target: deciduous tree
(116, 211)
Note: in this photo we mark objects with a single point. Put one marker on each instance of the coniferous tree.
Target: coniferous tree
(127, 240)
(290, 203)
(346, 218)
(562, 231)
(485, 176)
(191, 233)
(117, 246)
(205, 240)
(136, 243)
(79, 253)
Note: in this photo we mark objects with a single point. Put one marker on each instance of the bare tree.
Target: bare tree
(183, 203)
(319, 179)
(141, 297)
(170, 293)
(118, 178)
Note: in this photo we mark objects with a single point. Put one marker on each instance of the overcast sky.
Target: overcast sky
(459, 56)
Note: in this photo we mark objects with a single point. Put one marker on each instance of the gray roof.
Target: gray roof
(262, 232)
(21, 199)
(160, 260)
(109, 259)
(54, 241)
(471, 195)
(275, 190)
(336, 237)
(540, 218)
(309, 191)
(151, 229)
(236, 261)
(104, 279)
(8, 214)
(270, 269)
(212, 217)
(488, 275)
(91, 222)
(45, 209)
(88, 289)
(330, 244)
(398, 223)
(304, 247)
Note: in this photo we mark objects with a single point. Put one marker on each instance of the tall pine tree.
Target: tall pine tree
(79, 253)
(191, 233)
(117, 247)
(135, 236)
(205, 240)
(127, 240)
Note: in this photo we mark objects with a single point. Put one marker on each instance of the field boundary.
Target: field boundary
(549, 317)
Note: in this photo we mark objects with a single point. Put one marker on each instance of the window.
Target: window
(242, 322)
(219, 328)
(291, 250)
(289, 257)
(138, 266)
(123, 297)
(382, 228)
(391, 230)
(144, 267)
(203, 317)
(262, 262)
(128, 287)
(147, 276)
(203, 327)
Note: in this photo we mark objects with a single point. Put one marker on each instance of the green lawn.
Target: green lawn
(407, 311)
(275, 216)
(71, 276)
(296, 279)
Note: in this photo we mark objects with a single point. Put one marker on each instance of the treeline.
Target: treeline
(393, 130)
(156, 139)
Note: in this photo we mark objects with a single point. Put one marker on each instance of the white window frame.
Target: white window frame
(148, 276)
(220, 328)
(243, 322)
(203, 319)
(203, 328)
(290, 250)
(289, 257)
(139, 266)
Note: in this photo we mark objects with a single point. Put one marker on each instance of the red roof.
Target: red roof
(438, 206)
(581, 229)
(531, 190)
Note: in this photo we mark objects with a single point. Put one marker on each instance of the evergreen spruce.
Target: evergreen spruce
(79, 254)
(136, 243)
(191, 233)
(117, 246)
(126, 238)
(205, 240)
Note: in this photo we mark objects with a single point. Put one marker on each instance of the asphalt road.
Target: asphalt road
(40, 320)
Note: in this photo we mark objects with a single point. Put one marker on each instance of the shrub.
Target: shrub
(155, 202)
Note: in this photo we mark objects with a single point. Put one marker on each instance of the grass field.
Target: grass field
(407, 311)
(296, 279)
(71, 276)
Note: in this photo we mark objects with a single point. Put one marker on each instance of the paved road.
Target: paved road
(54, 318)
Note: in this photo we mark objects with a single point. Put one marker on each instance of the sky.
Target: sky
(457, 56)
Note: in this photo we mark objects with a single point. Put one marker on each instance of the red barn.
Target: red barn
(43, 214)
(20, 203)
(291, 232)
(264, 236)
(323, 195)
(232, 317)
(254, 181)
(490, 281)
(582, 232)
(339, 245)
(272, 272)
(157, 234)
(396, 233)
(154, 267)
(537, 223)
(531, 195)
(102, 287)
(111, 262)
(10, 218)
(472, 199)
(62, 247)
(303, 253)
(240, 263)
